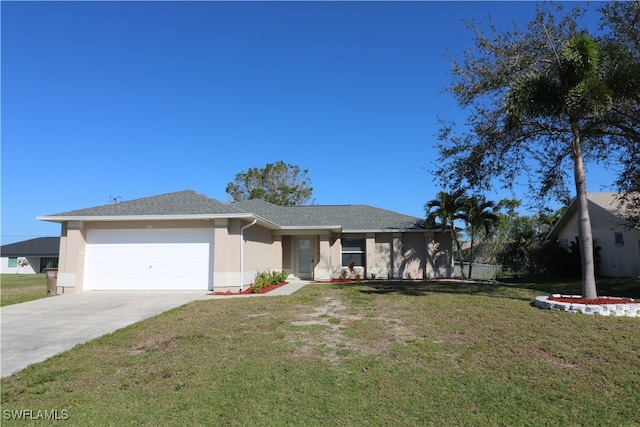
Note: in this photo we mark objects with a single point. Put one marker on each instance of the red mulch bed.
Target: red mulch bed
(248, 291)
(597, 301)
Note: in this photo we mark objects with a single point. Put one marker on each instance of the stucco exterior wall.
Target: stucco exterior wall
(383, 246)
(335, 247)
(322, 269)
(413, 256)
(287, 251)
(439, 255)
(73, 243)
(277, 254)
(257, 252)
(616, 260)
(400, 255)
(226, 259)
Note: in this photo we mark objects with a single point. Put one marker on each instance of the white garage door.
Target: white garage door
(148, 260)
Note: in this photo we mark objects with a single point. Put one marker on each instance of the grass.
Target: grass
(17, 288)
(377, 353)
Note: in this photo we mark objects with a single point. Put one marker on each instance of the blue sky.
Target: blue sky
(135, 99)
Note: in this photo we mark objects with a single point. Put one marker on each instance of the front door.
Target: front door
(305, 254)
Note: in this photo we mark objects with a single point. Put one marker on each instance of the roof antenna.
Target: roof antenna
(115, 199)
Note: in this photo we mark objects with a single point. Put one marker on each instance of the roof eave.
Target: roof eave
(34, 255)
(391, 230)
(191, 217)
(119, 218)
(332, 228)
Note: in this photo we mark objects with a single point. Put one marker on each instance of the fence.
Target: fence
(479, 271)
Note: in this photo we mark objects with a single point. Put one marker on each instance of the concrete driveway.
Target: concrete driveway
(36, 330)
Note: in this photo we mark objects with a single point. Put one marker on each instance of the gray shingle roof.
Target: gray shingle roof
(187, 202)
(289, 216)
(349, 217)
(360, 217)
(41, 246)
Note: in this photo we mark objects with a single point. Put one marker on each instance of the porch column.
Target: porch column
(276, 253)
(370, 249)
(323, 266)
(397, 257)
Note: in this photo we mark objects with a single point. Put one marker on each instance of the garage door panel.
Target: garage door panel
(148, 260)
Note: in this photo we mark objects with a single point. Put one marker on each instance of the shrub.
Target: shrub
(352, 267)
(266, 278)
(282, 276)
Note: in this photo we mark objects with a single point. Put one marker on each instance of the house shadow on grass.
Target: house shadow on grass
(422, 287)
(607, 286)
(506, 288)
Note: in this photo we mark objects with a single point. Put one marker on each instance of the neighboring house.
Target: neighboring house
(40, 253)
(618, 240)
(185, 240)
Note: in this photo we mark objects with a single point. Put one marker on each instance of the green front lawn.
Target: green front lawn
(378, 353)
(16, 288)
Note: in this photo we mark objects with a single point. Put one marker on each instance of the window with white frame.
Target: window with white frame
(12, 262)
(619, 239)
(354, 251)
(564, 244)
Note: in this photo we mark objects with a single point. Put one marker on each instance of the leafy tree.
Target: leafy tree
(480, 217)
(547, 95)
(622, 19)
(524, 239)
(446, 209)
(278, 183)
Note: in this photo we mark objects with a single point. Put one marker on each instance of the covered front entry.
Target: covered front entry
(149, 259)
(305, 256)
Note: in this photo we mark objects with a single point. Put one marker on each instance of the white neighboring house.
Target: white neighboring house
(40, 253)
(619, 241)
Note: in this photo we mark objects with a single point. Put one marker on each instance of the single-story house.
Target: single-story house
(618, 239)
(40, 253)
(188, 241)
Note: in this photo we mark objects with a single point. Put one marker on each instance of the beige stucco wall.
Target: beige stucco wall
(287, 254)
(322, 269)
(401, 255)
(616, 260)
(73, 240)
(382, 260)
(336, 258)
(439, 254)
(257, 252)
(413, 255)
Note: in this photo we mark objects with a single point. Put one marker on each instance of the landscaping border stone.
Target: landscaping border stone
(626, 309)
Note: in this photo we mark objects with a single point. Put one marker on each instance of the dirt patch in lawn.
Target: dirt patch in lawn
(156, 342)
(331, 332)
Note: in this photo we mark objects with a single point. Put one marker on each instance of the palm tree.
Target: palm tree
(445, 208)
(480, 216)
(570, 92)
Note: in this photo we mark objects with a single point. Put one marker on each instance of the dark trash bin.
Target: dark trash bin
(52, 280)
